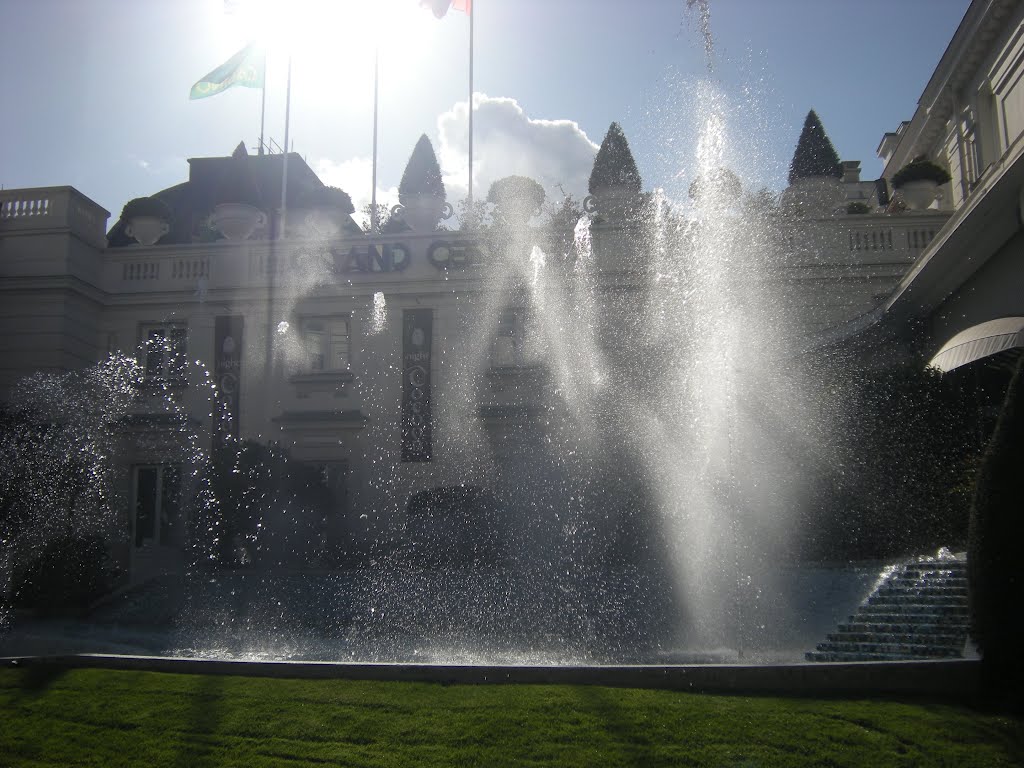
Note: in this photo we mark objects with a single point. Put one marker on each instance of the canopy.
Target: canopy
(980, 341)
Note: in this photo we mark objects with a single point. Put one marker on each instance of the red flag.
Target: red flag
(440, 7)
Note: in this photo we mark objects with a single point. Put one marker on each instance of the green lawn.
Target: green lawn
(109, 718)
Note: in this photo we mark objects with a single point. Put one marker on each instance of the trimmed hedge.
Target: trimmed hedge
(422, 175)
(147, 206)
(614, 165)
(814, 155)
(66, 578)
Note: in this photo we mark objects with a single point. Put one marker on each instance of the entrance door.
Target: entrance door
(157, 535)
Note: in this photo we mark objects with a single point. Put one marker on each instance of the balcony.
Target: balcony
(55, 210)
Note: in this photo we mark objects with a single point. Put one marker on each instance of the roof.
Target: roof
(254, 179)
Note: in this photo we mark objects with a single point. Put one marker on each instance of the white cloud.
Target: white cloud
(507, 141)
(355, 176)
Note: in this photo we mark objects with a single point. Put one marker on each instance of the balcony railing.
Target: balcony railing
(865, 239)
(53, 208)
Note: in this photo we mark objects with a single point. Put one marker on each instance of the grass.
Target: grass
(114, 718)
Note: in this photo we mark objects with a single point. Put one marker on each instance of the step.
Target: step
(920, 651)
(950, 640)
(920, 619)
(905, 599)
(903, 628)
(841, 656)
(924, 591)
(912, 609)
(912, 584)
(932, 573)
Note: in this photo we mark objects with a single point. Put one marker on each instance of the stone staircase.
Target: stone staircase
(918, 611)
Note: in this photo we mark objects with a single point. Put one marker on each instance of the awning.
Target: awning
(980, 341)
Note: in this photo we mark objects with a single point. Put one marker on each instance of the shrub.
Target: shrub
(260, 506)
(721, 180)
(920, 169)
(454, 526)
(516, 189)
(994, 565)
(422, 175)
(328, 197)
(614, 165)
(147, 206)
(857, 208)
(814, 155)
(70, 574)
(516, 195)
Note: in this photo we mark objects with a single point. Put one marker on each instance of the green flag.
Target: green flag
(244, 68)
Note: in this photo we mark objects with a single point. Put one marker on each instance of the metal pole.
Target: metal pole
(472, 15)
(373, 192)
(284, 169)
(263, 102)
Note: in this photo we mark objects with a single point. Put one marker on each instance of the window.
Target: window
(327, 341)
(157, 501)
(507, 345)
(165, 350)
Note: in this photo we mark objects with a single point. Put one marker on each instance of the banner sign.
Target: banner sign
(417, 331)
(227, 372)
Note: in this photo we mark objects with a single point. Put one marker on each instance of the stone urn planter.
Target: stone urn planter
(517, 200)
(146, 230)
(515, 213)
(423, 212)
(919, 195)
(813, 196)
(236, 221)
(325, 222)
(614, 202)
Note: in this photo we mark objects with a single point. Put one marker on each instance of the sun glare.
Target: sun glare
(317, 31)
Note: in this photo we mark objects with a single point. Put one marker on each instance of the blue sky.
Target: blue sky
(95, 94)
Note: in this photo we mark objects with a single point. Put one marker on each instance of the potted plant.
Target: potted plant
(237, 212)
(918, 182)
(614, 181)
(327, 207)
(517, 199)
(421, 191)
(147, 219)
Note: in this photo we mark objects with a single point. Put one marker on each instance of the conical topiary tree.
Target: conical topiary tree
(614, 165)
(995, 569)
(422, 174)
(815, 155)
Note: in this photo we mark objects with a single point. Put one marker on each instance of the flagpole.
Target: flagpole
(263, 101)
(472, 15)
(373, 192)
(284, 169)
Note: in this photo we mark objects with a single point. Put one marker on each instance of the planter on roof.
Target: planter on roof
(146, 219)
(327, 210)
(423, 212)
(613, 202)
(814, 196)
(518, 199)
(237, 221)
(918, 182)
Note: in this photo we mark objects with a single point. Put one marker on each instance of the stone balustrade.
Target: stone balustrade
(53, 209)
(864, 238)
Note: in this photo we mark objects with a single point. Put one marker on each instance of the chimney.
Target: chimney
(851, 171)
